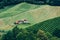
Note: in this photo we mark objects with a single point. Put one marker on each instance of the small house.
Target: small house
(22, 22)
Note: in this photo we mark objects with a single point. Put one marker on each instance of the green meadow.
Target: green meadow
(39, 17)
(33, 13)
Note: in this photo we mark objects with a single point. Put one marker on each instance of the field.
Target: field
(48, 25)
(33, 13)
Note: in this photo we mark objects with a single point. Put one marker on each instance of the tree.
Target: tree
(15, 31)
(25, 35)
(8, 36)
(11, 35)
(1, 5)
(57, 32)
(41, 34)
(49, 35)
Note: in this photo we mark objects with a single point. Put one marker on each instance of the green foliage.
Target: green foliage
(41, 34)
(57, 32)
(4, 3)
(16, 30)
(11, 35)
(55, 38)
(48, 25)
(8, 36)
(25, 35)
(35, 32)
(1, 5)
(49, 35)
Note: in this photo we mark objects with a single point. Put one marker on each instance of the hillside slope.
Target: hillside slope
(48, 25)
(33, 13)
(16, 10)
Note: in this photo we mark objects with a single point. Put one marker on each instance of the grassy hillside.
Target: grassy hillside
(36, 31)
(16, 10)
(33, 13)
(6, 8)
(48, 25)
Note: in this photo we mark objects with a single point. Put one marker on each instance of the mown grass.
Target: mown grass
(6, 8)
(8, 16)
(33, 13)
(17, 10)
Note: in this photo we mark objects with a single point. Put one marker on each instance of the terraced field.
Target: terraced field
(33, 13)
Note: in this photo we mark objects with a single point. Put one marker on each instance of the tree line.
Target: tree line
(4, 3)
(23, 34)
(28, 34)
